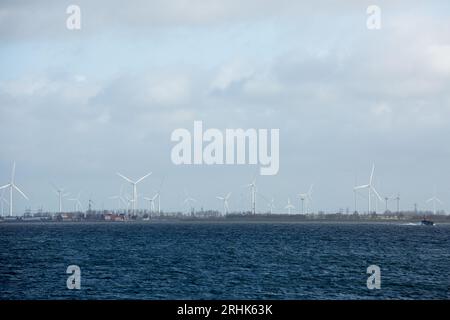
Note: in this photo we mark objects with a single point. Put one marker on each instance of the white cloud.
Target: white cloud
(231, 73)
(41, 86)
(168, 90)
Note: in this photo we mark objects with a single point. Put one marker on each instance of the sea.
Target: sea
(206, 260)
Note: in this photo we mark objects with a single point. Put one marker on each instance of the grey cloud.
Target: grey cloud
(21, 20)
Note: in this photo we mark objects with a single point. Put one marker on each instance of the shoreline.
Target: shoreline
(233, 220)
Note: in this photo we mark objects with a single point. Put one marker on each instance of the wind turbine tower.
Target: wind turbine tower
(271, 205)
(60, 193)
(252, 187)
(397, 198)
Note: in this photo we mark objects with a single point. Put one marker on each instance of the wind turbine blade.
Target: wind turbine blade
(54, 186)
(220, 198)
(228, 196)
(13, 172)
(377, 194)
(144, 177)
(6, 186)
(371, 174)
(125, 178)
(361, 187)
(431, 199)
(20, 191)
(439, 200)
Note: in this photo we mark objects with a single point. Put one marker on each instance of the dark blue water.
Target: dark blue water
(224, 261)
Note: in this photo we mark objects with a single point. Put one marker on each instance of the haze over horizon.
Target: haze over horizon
(76, 107)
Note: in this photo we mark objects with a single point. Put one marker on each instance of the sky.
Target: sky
(78, 106)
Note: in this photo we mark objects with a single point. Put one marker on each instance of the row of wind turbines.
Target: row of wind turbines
(131, 202)
(305, 198)
(371, 191)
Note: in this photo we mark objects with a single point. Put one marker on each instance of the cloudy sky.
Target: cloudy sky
(78, 106)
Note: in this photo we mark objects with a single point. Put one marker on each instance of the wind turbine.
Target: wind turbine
(60, 193)
(129, 202)
(119, 198)
(271, 205)
(225, 202)
(189, 200)
(370, 189)
(78, 205)
(306, 196)
(397, 198)
(386, 202)
(11, 186)
(156, 196)
(289, 206)
(434, 199)
(252, 187)
(152, 202)
(134, 185)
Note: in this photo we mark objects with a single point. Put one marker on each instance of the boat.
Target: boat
(426, 222)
